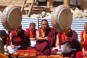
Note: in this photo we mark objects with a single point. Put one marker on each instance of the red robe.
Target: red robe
(54, 52)
(74, 43)
(84, 44)
(31, 36)
(20, 39)
(28, 33)
(43, 46)
(6, 40)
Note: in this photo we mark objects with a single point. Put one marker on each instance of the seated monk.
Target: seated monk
(18, 39)
(83, 53)
(57, 44)
(31, 32)
(69, 43)
(3, 40)
(4, 37)
(45, 37)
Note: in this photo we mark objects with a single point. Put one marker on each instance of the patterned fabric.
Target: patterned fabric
(84, 37)
(63, 36)
(31, 34)
(43, 33)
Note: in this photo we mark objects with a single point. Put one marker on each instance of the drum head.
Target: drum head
(64, 19)
(14, 18)
(61, 18)
(11, 17)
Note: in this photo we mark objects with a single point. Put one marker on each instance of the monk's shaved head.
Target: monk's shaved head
(85, 26)
(44, 20)
(18, 30)
(44, 24)
(32, 24)
(32, 27)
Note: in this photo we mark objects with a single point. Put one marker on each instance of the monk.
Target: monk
(45, 37)
(3, 40)
(19, 40)
(4, 37)
(31, 32)
(69, 43)
(83, 53)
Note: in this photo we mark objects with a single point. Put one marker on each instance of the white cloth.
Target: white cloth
(10, 50)
(65, 48)
(33, 43)
(59, 50)
(53, 48)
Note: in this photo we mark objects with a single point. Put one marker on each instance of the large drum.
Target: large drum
(11, 17)
(61, 18)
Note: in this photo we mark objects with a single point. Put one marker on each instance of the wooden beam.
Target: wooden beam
(23, 5)
(30, 8)
(49, 2)
(82, 4)
(67, 3)
(36, 1)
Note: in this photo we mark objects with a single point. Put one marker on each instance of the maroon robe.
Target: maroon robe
(28, 32)
(43, 46)
(20, 39)
(54, 52)
(74, 43)
(34, 36)
(6, 40)
(80, 53)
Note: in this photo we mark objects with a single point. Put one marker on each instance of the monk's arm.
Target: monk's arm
(40, 38)
(57, 41)
(84, 52)
(10, 36)
(75, 35)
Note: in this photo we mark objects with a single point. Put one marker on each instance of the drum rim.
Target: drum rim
(8, 17)
(54, 24)
(5, 19)
(59, 18)
(9, 14)
(61, 7)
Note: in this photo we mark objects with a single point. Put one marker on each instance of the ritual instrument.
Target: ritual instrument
(11, 17)
(61, 18)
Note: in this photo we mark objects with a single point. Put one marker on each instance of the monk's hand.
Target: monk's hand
(32, 38)
(12, 46)
(6, 48)
(85, 53)
(68, 44)
(46, 38)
